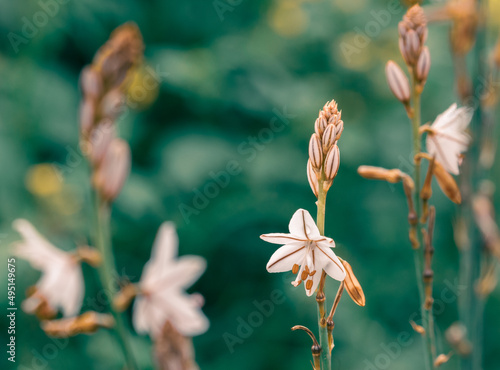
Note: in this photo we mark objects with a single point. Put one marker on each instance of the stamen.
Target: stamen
(309, 284)
(312, 273)
(295, 269)
(307, 269)
(304, 275)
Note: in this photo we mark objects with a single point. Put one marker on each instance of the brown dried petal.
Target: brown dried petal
(88, 322)
(353, 286)
(447, 183)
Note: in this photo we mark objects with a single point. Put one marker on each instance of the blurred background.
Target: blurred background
(230, 84)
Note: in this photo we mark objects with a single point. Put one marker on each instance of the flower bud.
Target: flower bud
(332, 163)
(87, 116)
(423, 64)
(447, 183)
(353, 286)
(312, 178)
(339, 129)
(329, 137)
(99, 141)
(379, 173)
(412, 46)
(315, 152)
(113, 171)
(398, 82)
(320, 125)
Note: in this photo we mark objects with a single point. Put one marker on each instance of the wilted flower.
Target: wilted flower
(447, 139)
(161, 289)
(61, 284)
(306, 248)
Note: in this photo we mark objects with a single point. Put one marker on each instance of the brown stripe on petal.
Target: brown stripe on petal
(288, 255)
(353, 286)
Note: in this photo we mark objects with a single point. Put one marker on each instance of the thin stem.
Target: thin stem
(102, 241)
(427, 319)
(325, 357)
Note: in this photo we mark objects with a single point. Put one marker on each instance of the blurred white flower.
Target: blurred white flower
(307, 248)
(61, 284)
(447, 139)
(162, 297)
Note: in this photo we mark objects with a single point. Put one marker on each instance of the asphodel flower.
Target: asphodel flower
(305, 251)
(61, 285)
(447, 139)
(161, 296)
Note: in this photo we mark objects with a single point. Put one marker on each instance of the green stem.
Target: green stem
(107, 274)
(427, 317)
(325, 357)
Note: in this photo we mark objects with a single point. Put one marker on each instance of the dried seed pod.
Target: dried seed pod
(88, 322)
(419, 329)
(312, 178)
(379, 173)
(110, 176)
(447, 183)
(329, 137)
(423, 64)
(332, 163)
(124, 297)
(89, 255)
(316, 152)
(442, 359)
(398, 82)
(353, 286)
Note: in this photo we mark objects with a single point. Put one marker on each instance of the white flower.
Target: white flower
(61, 283)
(446, 138)
(307, 248)
(162, 297)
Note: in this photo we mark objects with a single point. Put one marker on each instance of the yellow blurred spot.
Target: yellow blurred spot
(66, 202)
(43, 180)
(350, 6)
(142, 88)
(288, 19)
(494, 8)
(354, 51)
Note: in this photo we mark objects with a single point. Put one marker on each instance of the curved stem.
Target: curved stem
(102, 241)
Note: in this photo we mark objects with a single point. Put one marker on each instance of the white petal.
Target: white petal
(281, 238)
(444, 119)
(179, 274)
(164, 250)
(446, 152)
(285, 257)
(188, 318)
(329, 262)
(140, 316)
(302, 225)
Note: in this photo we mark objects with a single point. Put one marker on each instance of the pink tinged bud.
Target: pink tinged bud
(91, 83)
(423, 64)
(315, 151)
(412, 46)
(398, 82)
(113, 103)
(114, 169)
(312, 178)
(403, 50)
(402, 29)
(339, 129)
(329, 137)
(87, 116)
(332, 163)
(320, 125)
(100, 139)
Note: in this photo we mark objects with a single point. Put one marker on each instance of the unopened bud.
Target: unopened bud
(316, 152)
(99, 141)
(412, 46)
(398, 82)
(353, 286)
(447, 183)
(442, 359)
(124, 297)
(423, 64)
(379, 173)
(312, 178)
(329, 137)
(87, 116)
(89, 255)
(339, 128)
(332, 163)
(320, 125)
(113, 104)
(110, 176)
(91, 83)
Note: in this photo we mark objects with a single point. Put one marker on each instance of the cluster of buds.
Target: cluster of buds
(412, 36)
(324, 154)
(103, 84)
